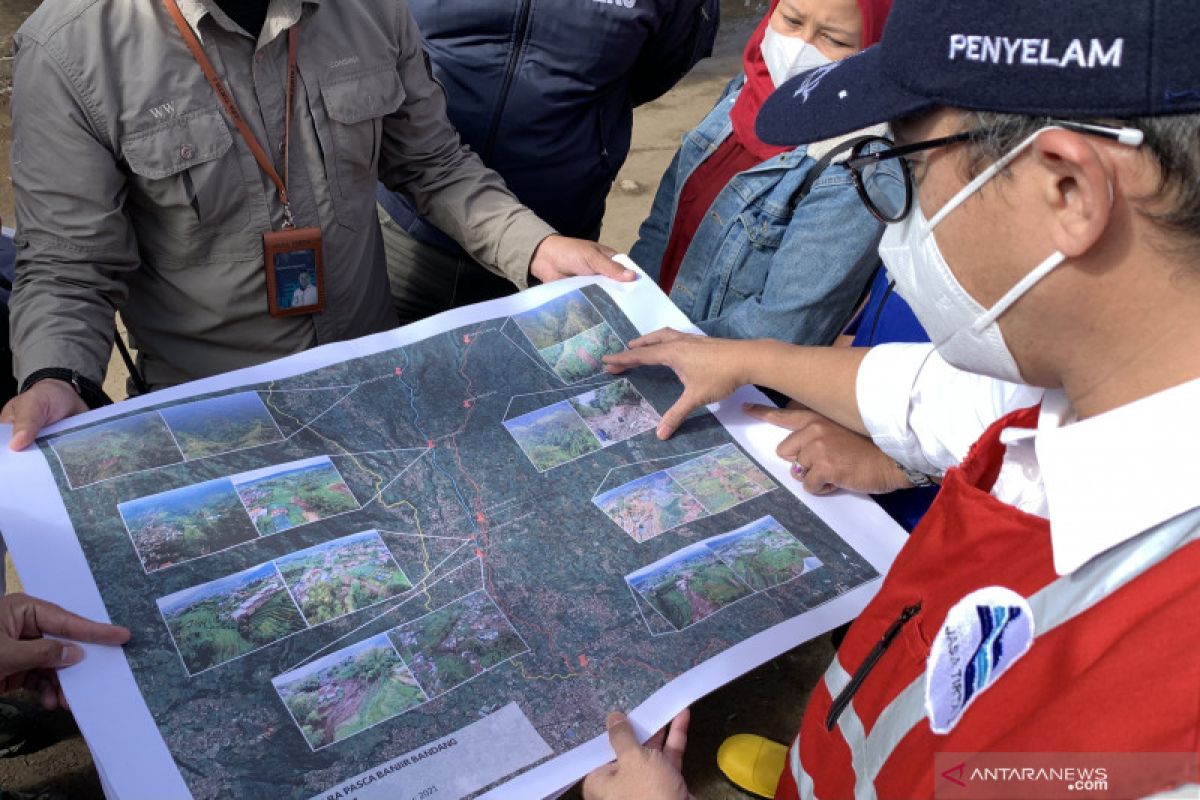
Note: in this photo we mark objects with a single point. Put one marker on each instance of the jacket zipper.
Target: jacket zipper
(513, 58)
(847, 694)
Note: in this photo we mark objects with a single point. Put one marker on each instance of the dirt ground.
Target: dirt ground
(768, 700)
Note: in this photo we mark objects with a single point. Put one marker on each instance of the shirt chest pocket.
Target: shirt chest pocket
(355, 106)
(764, 232)
(187, 180)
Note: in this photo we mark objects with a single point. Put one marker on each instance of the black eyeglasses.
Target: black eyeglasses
(882, 176)
(884, 181)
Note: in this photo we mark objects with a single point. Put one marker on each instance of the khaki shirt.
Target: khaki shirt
(134, 192)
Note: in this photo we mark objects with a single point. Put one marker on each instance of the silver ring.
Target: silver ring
(799, 470)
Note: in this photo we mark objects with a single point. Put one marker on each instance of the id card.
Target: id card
(295, 271)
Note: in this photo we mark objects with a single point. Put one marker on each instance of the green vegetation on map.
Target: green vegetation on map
(412, 429)
(186, 523)
(688, 585)
(763, 553)
(558, 320)
(336, 578)
(116, 448)
(227, 618)
(296, 495)
(579, 357)
(722, 479)
(615, 411)
(221, 424)
(348, 691)
(457, 642)
(649, 506)
(552, 435)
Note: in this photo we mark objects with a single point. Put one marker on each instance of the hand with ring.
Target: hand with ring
(826, 457)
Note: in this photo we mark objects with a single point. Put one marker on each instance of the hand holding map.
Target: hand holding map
(28, 659)
(650, 771)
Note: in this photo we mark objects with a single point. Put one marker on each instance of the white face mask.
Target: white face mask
(966, 334)
(788, 56)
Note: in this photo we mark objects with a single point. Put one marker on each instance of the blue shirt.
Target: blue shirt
(887, 318)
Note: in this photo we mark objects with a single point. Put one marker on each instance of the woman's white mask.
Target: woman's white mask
(966, 334)
(788, 56)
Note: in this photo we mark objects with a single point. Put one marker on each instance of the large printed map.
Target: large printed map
(327, 572)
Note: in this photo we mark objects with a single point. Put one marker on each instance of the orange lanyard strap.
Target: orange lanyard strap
(260, 155)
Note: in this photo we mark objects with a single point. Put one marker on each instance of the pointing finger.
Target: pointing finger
(676, 415)
(41, 617)
(790, 418)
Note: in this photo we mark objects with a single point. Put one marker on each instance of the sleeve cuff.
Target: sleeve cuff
(514, 255)
(884, 389)
(91, 393)
(48, 354)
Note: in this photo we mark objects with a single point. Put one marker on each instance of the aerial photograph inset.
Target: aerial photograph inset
(722, 479)
(688, 585)
(580, 356)
(649, 506)
(186, 523)
(456, 642)
(221, 424)
(336, 578)
(348, 691)
(616, 411)
(558, 320)
(763, 553)
(288, 495)
(552, 435)
(129, 444)
(221, 620)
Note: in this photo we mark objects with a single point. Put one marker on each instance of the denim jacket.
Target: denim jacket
(757, 266)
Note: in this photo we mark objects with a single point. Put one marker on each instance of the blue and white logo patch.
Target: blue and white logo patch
(984, 634)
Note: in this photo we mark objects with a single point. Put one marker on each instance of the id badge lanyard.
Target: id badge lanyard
(290, 251)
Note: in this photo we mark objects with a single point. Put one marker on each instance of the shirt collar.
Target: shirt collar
(281, 15)
(1113, 476)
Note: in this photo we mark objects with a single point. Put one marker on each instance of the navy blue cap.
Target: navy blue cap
(1060, 58)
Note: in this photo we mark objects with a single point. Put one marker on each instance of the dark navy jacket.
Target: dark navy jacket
(8, 384)
(544, 91)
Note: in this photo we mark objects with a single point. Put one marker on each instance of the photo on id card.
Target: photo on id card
(295, 271)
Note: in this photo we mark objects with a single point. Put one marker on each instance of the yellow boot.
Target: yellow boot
(752, 763)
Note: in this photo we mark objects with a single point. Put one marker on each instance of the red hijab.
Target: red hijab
(758, 79)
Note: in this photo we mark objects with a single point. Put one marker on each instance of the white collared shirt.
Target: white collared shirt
(1099, 481)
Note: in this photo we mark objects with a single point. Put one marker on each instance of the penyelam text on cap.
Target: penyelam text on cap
(1088, 54)
(1067, 59)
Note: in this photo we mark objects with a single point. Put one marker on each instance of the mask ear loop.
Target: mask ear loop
(1025, 284)
(1014, 294)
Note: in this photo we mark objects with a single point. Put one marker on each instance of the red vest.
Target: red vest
(1114, 667)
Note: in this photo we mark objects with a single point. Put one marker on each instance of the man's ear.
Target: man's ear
(1076, 190)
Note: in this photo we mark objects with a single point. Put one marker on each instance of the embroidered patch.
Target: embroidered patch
(810, 84)
(983, 635)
